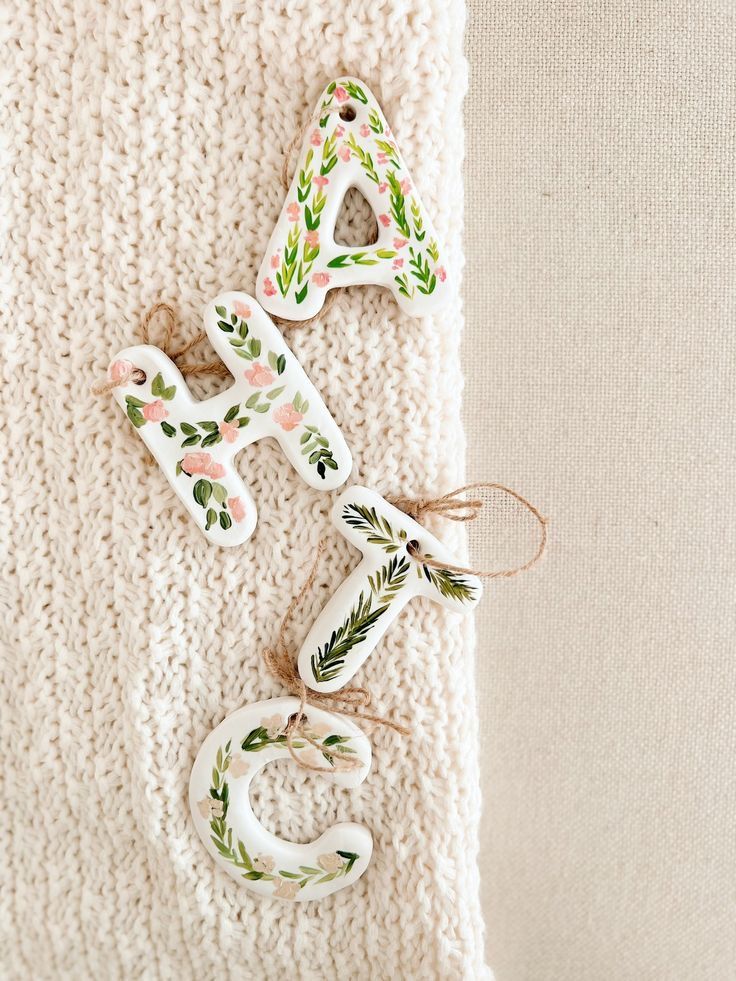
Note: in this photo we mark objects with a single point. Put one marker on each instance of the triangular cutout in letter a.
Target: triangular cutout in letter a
(350, 145)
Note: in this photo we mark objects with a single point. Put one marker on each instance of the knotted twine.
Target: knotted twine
(352, 701)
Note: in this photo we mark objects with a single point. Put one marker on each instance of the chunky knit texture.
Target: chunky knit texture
(145, 142)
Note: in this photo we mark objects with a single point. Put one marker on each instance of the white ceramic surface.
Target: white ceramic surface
(195, 442)
(369, 600)
(350, 144)
(229, 759)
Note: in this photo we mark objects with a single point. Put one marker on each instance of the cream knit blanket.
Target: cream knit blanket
(144, 143)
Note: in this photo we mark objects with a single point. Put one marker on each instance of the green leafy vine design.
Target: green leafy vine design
(287, 883)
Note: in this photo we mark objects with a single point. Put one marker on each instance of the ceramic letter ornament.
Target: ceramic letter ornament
(351, 145)
(360, 611)
(233, 753)
(195, 442)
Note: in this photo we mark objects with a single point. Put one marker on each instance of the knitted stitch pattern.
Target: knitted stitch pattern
(144, 144)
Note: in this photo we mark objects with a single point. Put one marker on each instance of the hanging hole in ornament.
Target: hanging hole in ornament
(347, 114)
(138, 377)
(413, 548)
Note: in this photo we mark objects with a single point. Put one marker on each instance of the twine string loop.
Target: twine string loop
(455, 508)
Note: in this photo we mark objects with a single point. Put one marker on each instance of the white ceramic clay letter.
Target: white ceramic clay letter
(233, 753)
(195, 442)
(351, 145)
(360, 611)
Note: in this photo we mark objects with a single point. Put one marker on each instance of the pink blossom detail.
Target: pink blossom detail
(405, 187)
(441, 273)
(382, 187)
(196, 463)
(399, 243)
(287, 417)
(268, 288)
(312, 239)
(215, 470)
(237, 508)
(339, 130)
(398, 263)
(259, 375)
(242, 310)
(293, 211)
(276, 260)
(154, 411)
(320, 181)
(340, 94)
(344, 153)
(365, 130)
(382, 158)
(316, 138)
(321, 279)
(384, 220)
(228, 431)
(120, 370)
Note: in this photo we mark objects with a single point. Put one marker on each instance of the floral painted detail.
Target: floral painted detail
(272, 732)
(138, 410)
(372, 146)
(287, 883)
(374, 601)
(378, 531)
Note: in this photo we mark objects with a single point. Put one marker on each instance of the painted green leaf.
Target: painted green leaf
(262, 408)
(188, 429)
(202, 492)
(275, 392)
(221, 311)
(132, 400)
(272, 360)
(219, 493)
(225, 520)
(168, 393)
(211, 518)
(157, 386)
(208, 426)
(301, 294)
(232, 412)
(168, 429)
(191, 440)
(225, 326)
(212, 440)
(281, 364)
(136, 416)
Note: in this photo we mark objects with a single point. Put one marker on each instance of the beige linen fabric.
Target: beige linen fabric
(144, 143)
(600, 382)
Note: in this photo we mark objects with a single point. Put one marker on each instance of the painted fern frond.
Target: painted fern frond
(451, 585)
(376, 528)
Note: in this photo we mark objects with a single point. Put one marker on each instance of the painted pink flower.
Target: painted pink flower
(196, 463)
(229, 431)
(384, 220)
(344, 153)
(399, 243)
(120, 370)
(293, 211)
(339, 130)
(287, 417)
(259, 375)
(215, 470)
(239, 766)
(154, 411)
(330, 862)
(441, 273)
(316, 138)
(242, 310)
(382, 187)
(237, 508)
(312, 239)
(382, 158)
(405, 187)
(286, 888)
(340, 94)
(321, 279)
(268, 288)
(276, 260)
(398, 263)
(320, 181)
(365, 130)
(387, 131)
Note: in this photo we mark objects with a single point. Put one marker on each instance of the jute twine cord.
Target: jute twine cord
(454, 508)
(350, 701)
